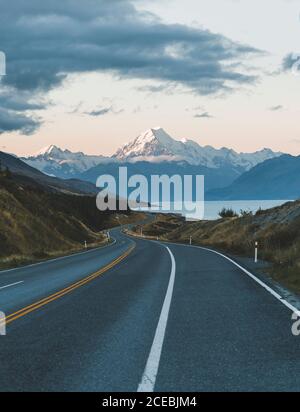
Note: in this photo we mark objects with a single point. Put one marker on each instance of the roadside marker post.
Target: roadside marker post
(2, 324)
(256, 252)
(190, 240)
(85, 244)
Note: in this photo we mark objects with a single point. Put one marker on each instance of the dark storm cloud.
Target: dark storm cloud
(11, 99)
(44, 41)
(11, 121)
(13, 108)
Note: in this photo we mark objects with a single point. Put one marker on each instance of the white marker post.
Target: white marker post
(190, 240)
(2, 324)
(85, 244)
(108, 236)
(255, 253)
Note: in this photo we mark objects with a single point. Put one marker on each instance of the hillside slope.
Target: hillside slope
(36, 223)
(277, 178)
(19, 167)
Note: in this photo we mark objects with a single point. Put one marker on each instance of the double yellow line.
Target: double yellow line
(34, 306)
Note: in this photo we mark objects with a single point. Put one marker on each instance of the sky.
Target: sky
(90, 76)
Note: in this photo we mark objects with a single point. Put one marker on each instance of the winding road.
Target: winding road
(140, 315)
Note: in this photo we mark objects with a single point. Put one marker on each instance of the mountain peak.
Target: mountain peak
(48, 150)
(156, 133)
(53, 160)
(156, 143)
(152, 142)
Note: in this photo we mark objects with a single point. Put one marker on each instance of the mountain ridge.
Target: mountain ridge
(277, 178)
(64, 164)
(153, 145)
(156, 142)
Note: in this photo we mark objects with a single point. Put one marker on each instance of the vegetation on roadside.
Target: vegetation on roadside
(224, 213)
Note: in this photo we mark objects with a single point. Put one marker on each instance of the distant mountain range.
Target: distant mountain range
(65, 164)
(221, 166)
(157, 145)
(213, 177)
(277, 178)
(228, 175)
(24, 171)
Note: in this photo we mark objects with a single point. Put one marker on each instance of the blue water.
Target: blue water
(211, 209)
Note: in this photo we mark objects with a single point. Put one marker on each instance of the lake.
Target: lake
(212, 208)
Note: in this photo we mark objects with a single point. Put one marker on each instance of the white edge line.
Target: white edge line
(260, 282)
(147, 383)
(12, 284)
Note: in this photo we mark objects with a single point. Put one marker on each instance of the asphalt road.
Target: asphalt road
(141, 315)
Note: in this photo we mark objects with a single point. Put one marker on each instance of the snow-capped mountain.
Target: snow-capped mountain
(54, 161)
(156, 145)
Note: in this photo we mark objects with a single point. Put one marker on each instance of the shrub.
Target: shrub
(224, 213)
(245, 213)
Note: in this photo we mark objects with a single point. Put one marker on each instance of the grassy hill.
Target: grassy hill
(277, 230)
(50, 183)
(38, 223)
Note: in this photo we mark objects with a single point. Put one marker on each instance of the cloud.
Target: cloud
(276, 108)
(167, 88)
(103, 111)
(291, 62)
(75, 109)
(194, 109)
(11, 121)
(14, 109)
(204, 115)
(99, 112)
(19, 101)
(46, 41)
